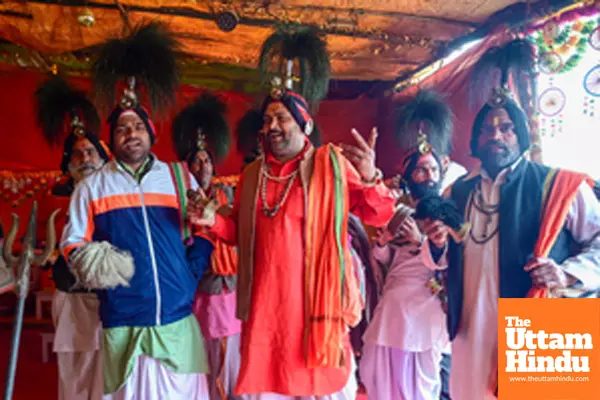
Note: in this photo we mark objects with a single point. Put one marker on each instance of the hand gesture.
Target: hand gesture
(545, 273)
(362, 156)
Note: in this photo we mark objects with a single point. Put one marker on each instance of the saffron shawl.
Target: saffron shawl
(333, 294)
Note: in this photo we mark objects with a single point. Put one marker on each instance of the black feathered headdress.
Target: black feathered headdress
(145, 58)
(55, 101)
(58, 105)
(424, 125)
(202, 126)
(309, 49)
(512, 63)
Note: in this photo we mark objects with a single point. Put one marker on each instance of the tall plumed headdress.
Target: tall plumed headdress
(301, 63)
(424, 125)
(490, 87)
(65, 114)
(146, 58)
(202, 126)
(497, 69)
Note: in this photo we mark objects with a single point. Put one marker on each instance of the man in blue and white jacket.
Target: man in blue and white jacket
(125, 237)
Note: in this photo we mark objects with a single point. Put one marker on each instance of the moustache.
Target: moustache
(86, 166)
(497, 144)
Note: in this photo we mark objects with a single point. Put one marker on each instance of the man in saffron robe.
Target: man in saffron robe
(297, 293)
(505, 202)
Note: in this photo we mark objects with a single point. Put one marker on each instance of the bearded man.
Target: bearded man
(404, 342)
(78, 331)
(534, 230)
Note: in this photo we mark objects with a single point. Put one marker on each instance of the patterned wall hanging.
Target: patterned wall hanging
(560, 47)
(551, 104)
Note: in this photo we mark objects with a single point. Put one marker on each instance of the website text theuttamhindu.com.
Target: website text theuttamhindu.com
(549, 379)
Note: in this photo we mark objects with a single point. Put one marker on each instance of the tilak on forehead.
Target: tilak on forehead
(146, 57)
(515, 62)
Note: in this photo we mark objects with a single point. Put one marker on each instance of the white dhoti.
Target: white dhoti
(394, 374)
(347, 393)
(77, 343)
(151, 380)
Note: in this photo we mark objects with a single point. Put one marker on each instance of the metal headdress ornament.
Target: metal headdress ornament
(147, 58)
(309, 50)
(428, 109)
(513, 63)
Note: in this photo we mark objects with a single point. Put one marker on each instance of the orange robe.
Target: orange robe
(272, 339)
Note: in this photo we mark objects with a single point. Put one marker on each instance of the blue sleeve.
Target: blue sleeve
(199, 255)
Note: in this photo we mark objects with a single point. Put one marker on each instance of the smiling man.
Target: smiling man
(505, 202)
(297, 291)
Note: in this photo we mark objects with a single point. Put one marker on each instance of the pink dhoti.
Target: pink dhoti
(77, 343)
(221, 330)
(393, 374)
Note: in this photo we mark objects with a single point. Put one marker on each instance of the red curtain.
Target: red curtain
(22, 147)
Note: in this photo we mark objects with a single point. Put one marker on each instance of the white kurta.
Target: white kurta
(404, 341)
(408, 316)
(475, 348)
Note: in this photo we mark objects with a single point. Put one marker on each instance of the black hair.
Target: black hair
(516, 115)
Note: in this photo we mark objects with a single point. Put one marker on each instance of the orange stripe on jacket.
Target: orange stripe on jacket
(133, 200)
(87, 237)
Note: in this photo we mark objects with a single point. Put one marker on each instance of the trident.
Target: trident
(23, 265)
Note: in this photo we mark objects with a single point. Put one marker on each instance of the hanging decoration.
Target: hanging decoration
(18, 187)
(552, 101)
(560, 47)
(549, 115)
(591, 81)
(589, 106)
(594, 39)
